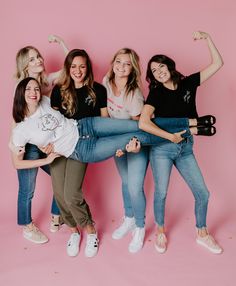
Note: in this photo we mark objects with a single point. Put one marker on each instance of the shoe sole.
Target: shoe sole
(136, 250)
(119, 237)
(90, 255)
(72, 255)
(35, 241)
(215, 251)
(160, 250)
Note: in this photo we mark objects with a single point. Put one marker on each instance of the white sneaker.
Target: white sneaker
(33, 234)
(127, 226)
(161, 242)
(137, 242)
(209, 242)
(56, 222)
(91, 247)
(72, 247)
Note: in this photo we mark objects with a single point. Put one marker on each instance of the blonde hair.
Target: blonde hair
(22, 63)
(134, 79)
(66, 83)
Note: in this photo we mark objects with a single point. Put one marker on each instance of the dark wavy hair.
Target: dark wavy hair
(20, 107)
(162, 59)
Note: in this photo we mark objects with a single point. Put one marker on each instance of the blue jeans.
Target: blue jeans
(180, 155)
(132, 169)
(27, 181)
(99, 138)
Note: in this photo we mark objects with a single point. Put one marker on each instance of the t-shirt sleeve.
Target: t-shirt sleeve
(18, 138)
(193, 80)
(56, 97)
(136, 103)
(152, 98)
(101, 94)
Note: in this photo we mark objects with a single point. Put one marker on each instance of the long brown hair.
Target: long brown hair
(20, 107)
(66, 83)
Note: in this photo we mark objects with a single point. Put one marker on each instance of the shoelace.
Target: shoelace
(161, 238)
(210, 240)
(34, 228)
(137, 235)
(73, 239)
(92, 241)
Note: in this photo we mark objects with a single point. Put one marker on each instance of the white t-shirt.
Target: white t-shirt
(45, 126)
(123, 106)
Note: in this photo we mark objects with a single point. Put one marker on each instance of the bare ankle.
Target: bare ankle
(202, 231)
(90, 229)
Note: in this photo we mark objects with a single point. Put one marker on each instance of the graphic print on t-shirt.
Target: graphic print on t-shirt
(88, 100)
(187, 96)
(48, 122)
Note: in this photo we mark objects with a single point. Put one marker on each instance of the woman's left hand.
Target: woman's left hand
(133, 146)
(198, 35)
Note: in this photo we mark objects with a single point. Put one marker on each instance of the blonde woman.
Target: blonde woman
(125, 101)
(29, 62)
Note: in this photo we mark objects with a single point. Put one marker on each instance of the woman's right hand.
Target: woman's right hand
(47, 149)
(51, 157)
(176, 137)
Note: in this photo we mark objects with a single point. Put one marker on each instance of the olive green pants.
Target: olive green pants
(67, 179)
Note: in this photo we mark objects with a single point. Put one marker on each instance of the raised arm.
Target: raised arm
(54, 76)
(146, 124)
(216, 59)
(60, 41)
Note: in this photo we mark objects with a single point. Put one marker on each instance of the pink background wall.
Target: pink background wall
(152, 26)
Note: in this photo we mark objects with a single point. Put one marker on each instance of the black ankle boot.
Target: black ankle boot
(206, 130)
(206, 120)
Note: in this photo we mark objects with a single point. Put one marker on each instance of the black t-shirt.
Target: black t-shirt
(84, 103)
(176, 103)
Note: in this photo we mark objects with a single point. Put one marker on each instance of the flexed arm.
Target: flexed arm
(216, 59)
(60, 41)
(54, 76)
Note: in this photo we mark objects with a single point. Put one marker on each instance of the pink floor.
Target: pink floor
(185, 262)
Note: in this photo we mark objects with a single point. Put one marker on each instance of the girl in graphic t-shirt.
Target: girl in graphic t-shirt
(173, 95)
(29, 62)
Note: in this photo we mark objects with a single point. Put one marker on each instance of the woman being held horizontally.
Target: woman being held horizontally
(29, 62)
(173, 95)
(91, 139)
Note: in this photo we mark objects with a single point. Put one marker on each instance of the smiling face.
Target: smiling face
(122, 66)
(36, 64)
(32, 93)
(161, 72)
(78, 71)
